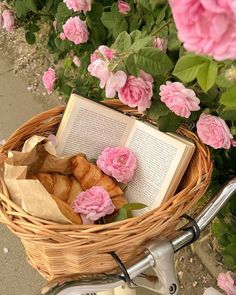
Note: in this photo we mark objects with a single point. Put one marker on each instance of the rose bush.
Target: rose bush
(130, 50)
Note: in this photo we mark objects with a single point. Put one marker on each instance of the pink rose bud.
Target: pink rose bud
(78, 5)
(213, 131)
(76, 61)
(118, 162)
(76, 30)
(62, 36)
(160, 43)
(137, 91)
(49, 78)
(123, 7)
(54, 24)
(8, 20)
(179, 99)
(93, 203)
(226, 283)
(206, 27)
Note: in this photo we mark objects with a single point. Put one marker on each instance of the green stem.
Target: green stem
(157, 31)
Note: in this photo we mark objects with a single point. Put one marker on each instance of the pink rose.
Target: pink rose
(78, 5)
(213, 131)
(207, 26)
(94, 203)
(123, 7)
(160, 43)
(76, 61)
(8, 20)
(226, 283)
(49, 78)
(118, 162)
(179, 99)
(103, 52)
(115, 82)
(76, 30)
(137, 91)
(99, 69)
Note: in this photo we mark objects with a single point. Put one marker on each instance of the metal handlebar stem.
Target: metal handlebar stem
(159, 256)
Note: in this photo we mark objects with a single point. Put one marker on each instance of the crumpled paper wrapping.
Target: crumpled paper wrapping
(38, 155)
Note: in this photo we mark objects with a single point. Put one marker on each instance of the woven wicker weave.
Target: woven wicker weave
(56, 250)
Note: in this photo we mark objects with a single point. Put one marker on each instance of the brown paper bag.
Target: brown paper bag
(38, 155)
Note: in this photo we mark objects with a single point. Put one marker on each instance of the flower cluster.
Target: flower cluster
(94, 203)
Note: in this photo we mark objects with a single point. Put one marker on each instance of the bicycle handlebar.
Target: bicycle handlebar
(155, 248)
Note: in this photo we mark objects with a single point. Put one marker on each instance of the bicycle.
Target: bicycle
(159, 255)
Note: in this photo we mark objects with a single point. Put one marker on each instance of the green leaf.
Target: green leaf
(123, 42)
(206, 75)
(135, 35)
(158, 109)
(30, 38)
(187, 67)
(119, 27)
(169, 123)
(141, 43)
(229, 261)
(32, 5)
(231, 249)
(219, 229)
(228, 113)
(134, 206)
(223, 82)
(228, 98)
(21, 8)
(122, 214)
(154, 61)
(33, 27)
(131, 65)
(145, 4)
(109, 19)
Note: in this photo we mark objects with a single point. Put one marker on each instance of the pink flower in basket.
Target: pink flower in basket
(93, 203)
(118, 162)
(49, 78)
(179, 99)
(76, 30)
(226, 283)
(214, 131)
(207, 27)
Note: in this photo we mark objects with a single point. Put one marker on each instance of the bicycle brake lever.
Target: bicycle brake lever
(162, 254)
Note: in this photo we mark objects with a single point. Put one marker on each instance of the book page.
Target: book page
(159, 156)
(89, 127)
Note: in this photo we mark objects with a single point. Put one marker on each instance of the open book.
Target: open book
(89, 127)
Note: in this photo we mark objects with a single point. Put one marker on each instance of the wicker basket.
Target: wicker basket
(56, 250)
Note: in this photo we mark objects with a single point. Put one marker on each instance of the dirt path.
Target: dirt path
(22, 96)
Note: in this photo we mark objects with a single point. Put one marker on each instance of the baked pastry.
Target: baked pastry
(90, 175)
(64, 187)
(67, 211)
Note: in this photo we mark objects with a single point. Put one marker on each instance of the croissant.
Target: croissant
(90, 175)
(63, 187)
(67, 211)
